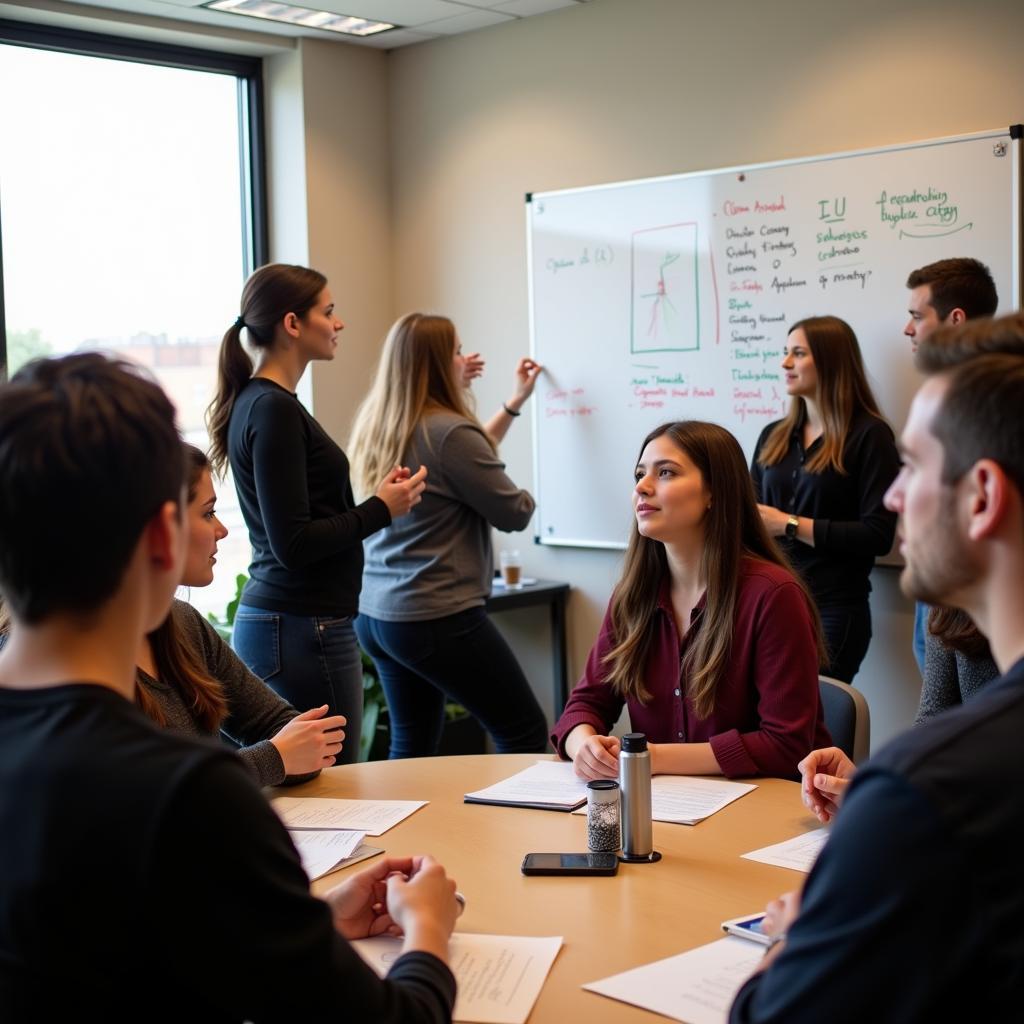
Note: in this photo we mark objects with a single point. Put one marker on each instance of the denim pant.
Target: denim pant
(921, 611)
(463, 657)
(308, 661)
(847, 632)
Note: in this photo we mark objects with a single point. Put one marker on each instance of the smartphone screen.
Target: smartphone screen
(751, 927)
(570, 864)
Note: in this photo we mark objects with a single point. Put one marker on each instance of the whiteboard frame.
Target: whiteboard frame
(1012, 134)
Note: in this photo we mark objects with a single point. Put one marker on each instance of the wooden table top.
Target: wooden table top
(646, 912)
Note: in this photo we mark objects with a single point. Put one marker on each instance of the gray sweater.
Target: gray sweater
(950, 678)
(255, 712)
(437, 561)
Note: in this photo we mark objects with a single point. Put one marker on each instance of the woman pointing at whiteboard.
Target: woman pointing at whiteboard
(421, 613)
(821, 474)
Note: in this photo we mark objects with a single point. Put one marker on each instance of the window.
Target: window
(130, 215)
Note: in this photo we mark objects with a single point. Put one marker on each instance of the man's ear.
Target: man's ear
(165, 536)
(956, 317)
(988, 495)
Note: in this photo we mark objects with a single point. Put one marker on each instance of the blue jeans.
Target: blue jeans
(920, 632)
(462, 657)
(308, 661)
(847, 636)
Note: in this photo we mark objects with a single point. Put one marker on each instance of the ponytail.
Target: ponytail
(234, 368)
(270, 294)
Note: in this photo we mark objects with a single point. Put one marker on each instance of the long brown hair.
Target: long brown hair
(733, 531)
(416, 375)
(843, 391)
(955, 629)
(270, 294)
(177, 662)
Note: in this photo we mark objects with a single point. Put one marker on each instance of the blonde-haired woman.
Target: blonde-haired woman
(709, 640)
(427, 576)
(821, 474)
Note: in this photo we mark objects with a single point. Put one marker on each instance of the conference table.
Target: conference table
(610, 924)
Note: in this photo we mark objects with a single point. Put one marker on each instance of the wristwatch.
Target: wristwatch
(792, 525)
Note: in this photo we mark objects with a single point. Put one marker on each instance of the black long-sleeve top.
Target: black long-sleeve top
(851, 525)
(145, 877)
(293, 487)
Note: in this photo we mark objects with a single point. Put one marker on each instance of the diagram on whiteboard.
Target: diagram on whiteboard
(666, 289)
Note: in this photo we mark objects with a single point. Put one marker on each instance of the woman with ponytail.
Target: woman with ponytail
(294, 623)
(709, 640)
(422, 616)
(188, 679)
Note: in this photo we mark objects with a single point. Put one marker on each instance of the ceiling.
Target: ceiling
(419, 20)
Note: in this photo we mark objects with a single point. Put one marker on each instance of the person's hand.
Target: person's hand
(824, 776)
(359, 904)
(597, 758)
(780, 914)
(400, 489)
(527, 372)
(422, 901)
(774, 520)
(310, 741)
(472, 367)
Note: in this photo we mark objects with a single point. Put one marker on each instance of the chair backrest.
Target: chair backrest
(847, 717)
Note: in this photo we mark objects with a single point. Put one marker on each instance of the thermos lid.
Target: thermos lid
(602, 784)
(634, 743)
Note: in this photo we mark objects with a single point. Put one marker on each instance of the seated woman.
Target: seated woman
(709, 639)
(190, 680)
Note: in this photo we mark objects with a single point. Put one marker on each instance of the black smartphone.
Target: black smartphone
(570, 864)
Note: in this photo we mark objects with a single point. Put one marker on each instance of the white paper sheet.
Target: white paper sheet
(321, 850)
(798, 853)
(550, 783)
(697, 987)
(374, 817)
(499, 976)
(684, 800)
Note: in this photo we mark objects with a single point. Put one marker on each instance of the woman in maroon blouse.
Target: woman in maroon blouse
(709, 639)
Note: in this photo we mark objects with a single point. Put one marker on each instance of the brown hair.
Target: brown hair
(88, 455)
(961, 283)
(270, 294)
(733, 531)
(843, 392)
(416, 375)
(956, 630)
(177, 662)
(949, 347)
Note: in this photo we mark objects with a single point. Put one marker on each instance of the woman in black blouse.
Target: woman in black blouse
(820, 476)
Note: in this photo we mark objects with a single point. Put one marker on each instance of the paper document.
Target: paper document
(684, 800)
(374, 817)
(798, 853)
(697, 987)
(499, 976)
(324, 851)
(549, 785)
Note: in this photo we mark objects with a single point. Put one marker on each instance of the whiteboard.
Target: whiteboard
(670, 298)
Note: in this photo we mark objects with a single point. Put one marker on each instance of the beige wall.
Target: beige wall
(632, 88)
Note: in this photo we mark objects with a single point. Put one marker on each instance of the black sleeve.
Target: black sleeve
(873, 460)
(280, 445)
(756, 469)
(872, 936)
(241, 929)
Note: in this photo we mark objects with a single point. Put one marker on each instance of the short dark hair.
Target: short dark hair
(982, 417)
(962, 283)
(952, 346)
(88, 454)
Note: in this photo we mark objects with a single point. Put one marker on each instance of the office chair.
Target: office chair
(847, 717)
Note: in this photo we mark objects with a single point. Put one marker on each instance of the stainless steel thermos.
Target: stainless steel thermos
(635, 788)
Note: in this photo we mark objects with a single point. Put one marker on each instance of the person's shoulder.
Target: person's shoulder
(869, 427)
(759, 576)
(766, 433)
(965, 745)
